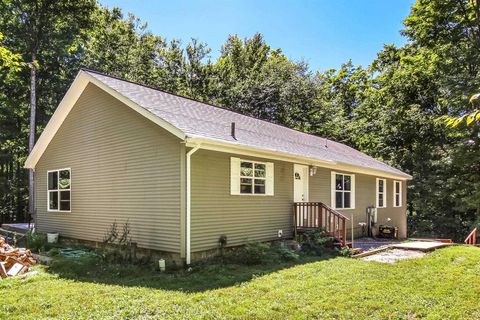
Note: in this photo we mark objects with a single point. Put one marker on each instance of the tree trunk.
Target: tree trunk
(31, 138)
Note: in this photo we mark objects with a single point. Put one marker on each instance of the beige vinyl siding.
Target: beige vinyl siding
(123, 167)
(365, 190)
(240, 217)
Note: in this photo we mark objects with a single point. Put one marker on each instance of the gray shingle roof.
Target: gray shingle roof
(201, 120)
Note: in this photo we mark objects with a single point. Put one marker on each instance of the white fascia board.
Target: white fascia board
(63, 109)
(237, 148)
(71, 97)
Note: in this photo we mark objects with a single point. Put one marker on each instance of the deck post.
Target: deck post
(352, 230)
(295, 221)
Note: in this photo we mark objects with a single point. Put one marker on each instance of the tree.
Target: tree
(9, 61)
(45, 32)
(415, 85)
(251, 78)
(469, 118)
(388, 110)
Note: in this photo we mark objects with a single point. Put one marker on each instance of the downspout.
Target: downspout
(189, 201)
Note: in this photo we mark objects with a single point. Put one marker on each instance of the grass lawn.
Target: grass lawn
(443, 285)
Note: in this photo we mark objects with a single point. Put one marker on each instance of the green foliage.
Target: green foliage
(253, 253)
(256, 253)
(75, 267)
(53, 252)
(9, 60)
(316, 242)
(47, 35)
(345, 252)
(468, 118)
(442, 285)
(286, 253)
(35, 241)
(389, 110)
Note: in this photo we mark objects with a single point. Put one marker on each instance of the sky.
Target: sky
(324, 33)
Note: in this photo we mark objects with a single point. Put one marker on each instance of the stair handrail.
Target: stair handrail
(334, 211)
(472, 237)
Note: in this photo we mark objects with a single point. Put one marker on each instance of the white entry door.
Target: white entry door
(300, 183)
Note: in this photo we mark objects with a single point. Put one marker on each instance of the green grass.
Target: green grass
(443, 285)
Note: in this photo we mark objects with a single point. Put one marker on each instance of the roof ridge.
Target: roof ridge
(211, 105)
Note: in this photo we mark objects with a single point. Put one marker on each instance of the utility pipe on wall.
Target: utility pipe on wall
(189, 201)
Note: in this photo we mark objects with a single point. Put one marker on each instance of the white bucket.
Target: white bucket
(161, 265)
(52, 237)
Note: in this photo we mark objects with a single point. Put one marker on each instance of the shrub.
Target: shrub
(316, 242)
(345, 252)
(36, 241)
(118, 245)
(286, 253)
(255, 253)
(252, 253)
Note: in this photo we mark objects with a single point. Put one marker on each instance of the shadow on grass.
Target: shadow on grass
(204, 276)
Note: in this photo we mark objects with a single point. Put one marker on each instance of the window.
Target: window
(251, 177)
(397, 193)
(381, 193)
(59, 190)
(343, 190)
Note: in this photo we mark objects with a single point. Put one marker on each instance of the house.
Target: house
(184, 173)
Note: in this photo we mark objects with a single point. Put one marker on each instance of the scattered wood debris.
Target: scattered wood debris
(14, 261)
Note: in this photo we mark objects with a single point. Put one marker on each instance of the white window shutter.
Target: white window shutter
(269, 181)
(333, 190)
(234, 176)
(352, 199)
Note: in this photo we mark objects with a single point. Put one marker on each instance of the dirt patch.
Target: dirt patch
(394, 255)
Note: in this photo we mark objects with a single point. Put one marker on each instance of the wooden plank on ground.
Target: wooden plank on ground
(16, 269)
(3, 271)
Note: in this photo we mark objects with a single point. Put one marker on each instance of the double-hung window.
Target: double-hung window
(343, 190)
(397, 193)
(59, 190)
(381, 193)
(251, 177)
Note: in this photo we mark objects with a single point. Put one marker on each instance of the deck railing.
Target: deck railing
(472, 237)
(317, 215)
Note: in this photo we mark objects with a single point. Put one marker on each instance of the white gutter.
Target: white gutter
(237, 148)
(189, 201)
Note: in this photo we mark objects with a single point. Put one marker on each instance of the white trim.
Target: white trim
(399, 193)
(189, 204)
(58, 190)
(384, 193)
(270, 179)
(65, 106)
(234, 176)
(71, 97)
(253, 178)
(334, 190)
(240, 149)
